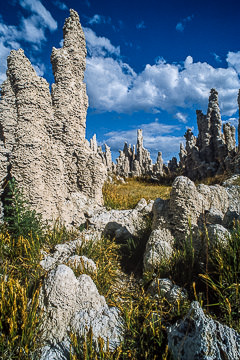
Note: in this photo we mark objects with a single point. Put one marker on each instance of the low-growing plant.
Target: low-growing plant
(223, 279)
(105, 254)
(19, 319)
(86, 348)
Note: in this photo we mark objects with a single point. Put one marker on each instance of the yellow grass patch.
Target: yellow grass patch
(126, 196)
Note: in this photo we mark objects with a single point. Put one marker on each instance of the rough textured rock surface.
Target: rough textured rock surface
(213, 206)
(42, 142)
(200, 337)
(121, 224)
(211, 152)
(74, 304)
(165, 288)
(63, 253)
(159, 248)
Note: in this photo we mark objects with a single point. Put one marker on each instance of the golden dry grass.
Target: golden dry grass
(126, 196)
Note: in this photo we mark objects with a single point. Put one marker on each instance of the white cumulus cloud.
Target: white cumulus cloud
(35, 6)
(114, 86)
(31, 30)
(99, 45)
(181, 117)
(233, 59)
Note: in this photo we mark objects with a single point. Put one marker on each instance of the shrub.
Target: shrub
(20, 219)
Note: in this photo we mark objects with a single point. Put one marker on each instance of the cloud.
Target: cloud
(181, 117)
(233, 121)
(182, 24)
(217, 58)
(31, 30)
(141, 25)
(156, 137)
(233, 60)
(98, 45)
(114, 86)
(37, 7)
(99, 19)
(39, 67)
(60, 5)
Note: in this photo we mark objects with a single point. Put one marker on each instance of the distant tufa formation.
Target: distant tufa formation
(42, 134)
(211, 152)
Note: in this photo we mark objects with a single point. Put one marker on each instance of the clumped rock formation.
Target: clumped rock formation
(136, 161)
(106, 155)
(214, 207)
(43, 143)
(74, 304)
(212, 152)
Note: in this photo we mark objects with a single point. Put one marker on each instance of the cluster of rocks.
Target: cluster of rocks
(204, 207)
(43, 146)
(212, 207)
(211, 152)
(42, 134)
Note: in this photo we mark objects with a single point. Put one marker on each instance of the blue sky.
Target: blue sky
(150, 64)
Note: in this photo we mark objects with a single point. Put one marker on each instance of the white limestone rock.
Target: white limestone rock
(74, 304)
(82, 263)
(43, 143)
(121, 224)
(159, 249)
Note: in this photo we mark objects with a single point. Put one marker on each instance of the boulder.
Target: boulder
(194, 208)
(159, 249)
(121, 224)
(71, 304)
(199, 337)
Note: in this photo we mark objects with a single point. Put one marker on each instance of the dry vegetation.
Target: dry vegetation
(126, 196)
(146, 318)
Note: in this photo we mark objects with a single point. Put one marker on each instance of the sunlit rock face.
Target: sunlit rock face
(43, 143)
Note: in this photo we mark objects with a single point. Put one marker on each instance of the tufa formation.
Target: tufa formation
(42, 142)
(211, 152)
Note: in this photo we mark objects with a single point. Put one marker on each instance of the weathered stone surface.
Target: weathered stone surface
(158, 249)
(62, 253)
(200, 337)
(165, 288)
(43, 142)
(121, 224)
(192, 207)
(82, 263)
(211, 152)
(217, 232)
(74, 304)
